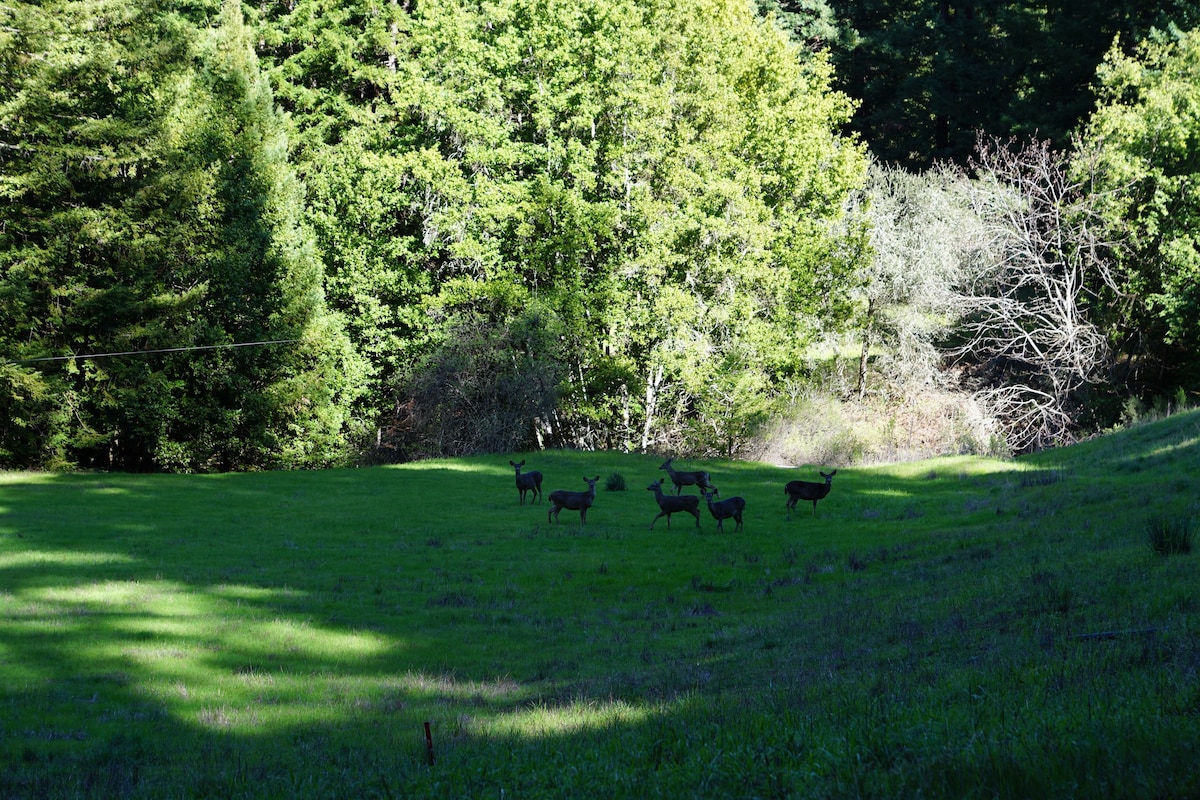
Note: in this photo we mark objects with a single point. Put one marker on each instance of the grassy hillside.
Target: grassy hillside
(960, 627)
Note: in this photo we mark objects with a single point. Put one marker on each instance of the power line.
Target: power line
(164, 350)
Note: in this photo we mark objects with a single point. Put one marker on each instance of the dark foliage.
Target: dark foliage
(930, 75)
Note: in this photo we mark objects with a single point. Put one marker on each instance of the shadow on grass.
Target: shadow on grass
(289, 634)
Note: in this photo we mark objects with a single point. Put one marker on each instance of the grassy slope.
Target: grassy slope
(288, 634)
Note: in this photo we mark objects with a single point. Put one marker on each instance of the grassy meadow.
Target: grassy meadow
(959, 627)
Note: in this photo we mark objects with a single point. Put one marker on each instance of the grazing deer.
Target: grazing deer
(723, 510)
(682, 479)
(529, 482)
(671, 504)
(573, 501)
(807, 490)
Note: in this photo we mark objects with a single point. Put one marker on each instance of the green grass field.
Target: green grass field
(960, 627)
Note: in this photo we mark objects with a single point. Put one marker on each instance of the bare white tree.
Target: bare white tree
(1027, 296)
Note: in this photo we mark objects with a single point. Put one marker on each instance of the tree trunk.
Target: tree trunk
(655, 380)
(868, 330)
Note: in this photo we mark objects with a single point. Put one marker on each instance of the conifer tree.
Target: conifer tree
(153, 209)
(82, 97)
(257, 276)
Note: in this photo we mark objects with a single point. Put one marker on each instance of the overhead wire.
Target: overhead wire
(151, 352)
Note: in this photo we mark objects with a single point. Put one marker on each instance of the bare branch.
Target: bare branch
(1026, 322)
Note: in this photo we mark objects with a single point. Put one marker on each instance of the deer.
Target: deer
(671, 504)
(808, 490)
(529, 482)
(724, 509)
(682, 479)
(574, 501)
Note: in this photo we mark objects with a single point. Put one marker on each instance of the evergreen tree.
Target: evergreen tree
(809, 22)
(153, 210)
(84, 90)
(350, 76)
(285, 404)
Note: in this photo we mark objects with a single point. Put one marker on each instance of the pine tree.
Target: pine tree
(152, 209)
(82, 98)
(257, 275)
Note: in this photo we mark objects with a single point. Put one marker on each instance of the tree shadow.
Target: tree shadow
(290, 633)
(215, 635)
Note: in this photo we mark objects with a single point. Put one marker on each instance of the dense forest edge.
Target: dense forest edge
(240, 236)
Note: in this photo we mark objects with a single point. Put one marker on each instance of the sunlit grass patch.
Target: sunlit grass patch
(36, 558)
(117, 594)
(289, 634)
(539, 720)
(499, 691)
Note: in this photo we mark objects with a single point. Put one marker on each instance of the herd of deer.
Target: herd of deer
(531, 483)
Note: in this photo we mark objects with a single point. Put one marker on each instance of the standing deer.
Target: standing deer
(529, 482)
(682, 479)
(808, 490)
(723, 510)
(671, 504)
(573, 501)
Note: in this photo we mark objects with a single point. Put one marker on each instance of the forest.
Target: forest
(256, 235)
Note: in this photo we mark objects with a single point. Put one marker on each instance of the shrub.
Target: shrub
(1169, 535)
(1042, 477)
(615, 482)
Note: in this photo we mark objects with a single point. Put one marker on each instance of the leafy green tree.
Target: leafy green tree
(1146, 128)
(667, 186)
(153, 210)
(710, 143)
